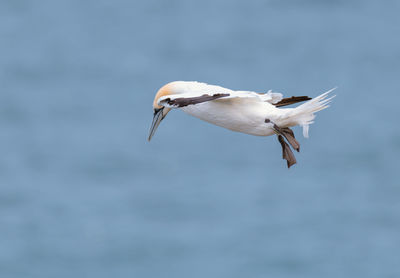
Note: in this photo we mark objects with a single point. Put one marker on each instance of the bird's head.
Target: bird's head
(159, 110)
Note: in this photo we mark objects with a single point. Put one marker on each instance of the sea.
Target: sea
(83, 194)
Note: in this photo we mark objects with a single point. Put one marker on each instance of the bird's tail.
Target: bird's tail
(303, 115)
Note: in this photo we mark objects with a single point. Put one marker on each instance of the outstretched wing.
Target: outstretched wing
(182, 100)
(291, 100)
(185, 99)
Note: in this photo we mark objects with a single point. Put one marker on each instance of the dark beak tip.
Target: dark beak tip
(157, 118)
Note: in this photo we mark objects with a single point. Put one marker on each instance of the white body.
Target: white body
(241, 111)
(242, 115)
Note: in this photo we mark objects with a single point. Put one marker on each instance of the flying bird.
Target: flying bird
(248, 112)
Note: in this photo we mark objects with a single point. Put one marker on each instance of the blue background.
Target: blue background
(83, 194)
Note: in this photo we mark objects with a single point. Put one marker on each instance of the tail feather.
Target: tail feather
(303, 115)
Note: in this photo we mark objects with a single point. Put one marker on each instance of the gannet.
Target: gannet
(248, 112)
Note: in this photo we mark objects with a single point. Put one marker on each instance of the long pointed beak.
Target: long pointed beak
(157, 118)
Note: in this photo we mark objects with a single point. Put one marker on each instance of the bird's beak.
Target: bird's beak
(157, 118)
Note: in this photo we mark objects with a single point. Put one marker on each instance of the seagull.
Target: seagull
(258, 114)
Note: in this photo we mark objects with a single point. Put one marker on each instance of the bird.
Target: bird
(253, 113)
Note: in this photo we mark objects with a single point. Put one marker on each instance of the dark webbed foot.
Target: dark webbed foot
(286, 133)
(287, 152)
(289, 136)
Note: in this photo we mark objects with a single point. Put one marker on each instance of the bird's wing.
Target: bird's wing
(185, 99)
(271, 97)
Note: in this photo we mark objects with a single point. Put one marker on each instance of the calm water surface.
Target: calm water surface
(82, 194)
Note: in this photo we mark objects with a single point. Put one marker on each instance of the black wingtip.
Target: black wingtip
(291, 100)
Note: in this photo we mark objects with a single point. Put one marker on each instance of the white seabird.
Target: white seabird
(242, 111)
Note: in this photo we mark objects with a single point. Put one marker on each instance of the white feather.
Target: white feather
(191, 89)
(244, 111)
(303, 114)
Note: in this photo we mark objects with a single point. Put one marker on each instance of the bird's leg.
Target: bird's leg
(287, 152)
(288, 134)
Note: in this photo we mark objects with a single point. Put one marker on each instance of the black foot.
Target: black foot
(287, 133)
(287, 152)
(289, 136)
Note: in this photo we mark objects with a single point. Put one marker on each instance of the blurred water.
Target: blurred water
(82, 194)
